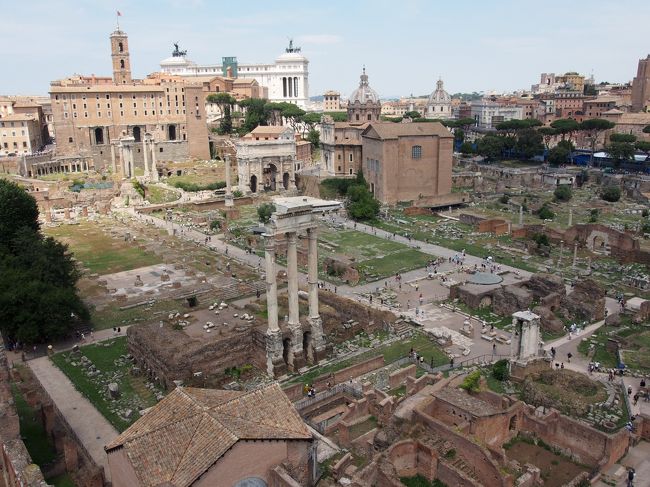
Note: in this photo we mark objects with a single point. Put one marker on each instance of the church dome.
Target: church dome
(364, 93)
(439, 95)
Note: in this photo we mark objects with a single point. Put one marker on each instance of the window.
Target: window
(70, 139)
(350, 157)
(416, 152)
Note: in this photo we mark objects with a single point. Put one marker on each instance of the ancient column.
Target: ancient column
(145, 155)
(292, 293)
(229, 198)
(521, 214)
(317, 344)
(570, 217)
(273, 333)
(131, 162)
(154, 169)
(575, 254)
(559, 260)
(113, 166)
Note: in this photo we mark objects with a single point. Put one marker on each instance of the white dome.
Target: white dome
(364, 93)
(439, 95)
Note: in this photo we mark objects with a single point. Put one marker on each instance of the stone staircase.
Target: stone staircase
(237, 290)
(402, 329)
(443, 448)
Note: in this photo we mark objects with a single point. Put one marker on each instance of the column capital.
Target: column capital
(269, 243)
(292, 238)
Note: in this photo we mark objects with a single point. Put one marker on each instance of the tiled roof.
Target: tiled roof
(190, 429)
(392, 130)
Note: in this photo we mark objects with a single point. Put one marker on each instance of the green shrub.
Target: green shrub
(215, 225)
(472, 382)
(562, 193)
(237, 194)
(545, 213)
(500, 370)
(504, 199)
(139, 187)
(593, 215)
(611, 194)
(264, 212)
(541, 239)
(645, 213)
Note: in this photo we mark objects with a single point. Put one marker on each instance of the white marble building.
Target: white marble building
(287, 79)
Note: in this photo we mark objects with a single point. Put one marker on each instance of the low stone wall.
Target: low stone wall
(398, 377)
(348, 373)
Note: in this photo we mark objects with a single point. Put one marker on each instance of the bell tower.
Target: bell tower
(120, 57)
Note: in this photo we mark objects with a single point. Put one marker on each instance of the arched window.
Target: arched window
(121, 47)
(122, 63)
(416, 152)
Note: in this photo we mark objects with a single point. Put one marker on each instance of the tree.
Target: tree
(558, 155)
(412, 114)
(629, 138)
(338, 116)
(593, 127)
(18, 209)
(256, 114)
(491, 147)
(225, 103)
(547, 134)
(529, 143)
(313, 136)
(565, 127)
(611, 193)
(466, 148)
(311, 119)
(264, 212)
(500, 370)
(472, 383)
(511, 127)
(545, 213)
(459, 135)
(38, 276)
(562, 193)
(360, 203)
(293, 115)
(620, 151)
(643, 146)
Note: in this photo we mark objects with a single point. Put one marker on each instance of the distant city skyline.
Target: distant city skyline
(406, 46)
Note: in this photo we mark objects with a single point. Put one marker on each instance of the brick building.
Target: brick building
(91, 113)
(341, 147)
(23, 126)
(641, 86)
(206, 437)
(408, 162)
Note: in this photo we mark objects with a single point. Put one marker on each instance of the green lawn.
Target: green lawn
(98, 251)
(376, 257)
(32, 431)
(395, 351)
(158, 194)
(107, 359)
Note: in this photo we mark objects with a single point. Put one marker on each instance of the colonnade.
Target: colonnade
(289, 352)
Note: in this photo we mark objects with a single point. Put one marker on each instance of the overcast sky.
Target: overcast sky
(474, 45)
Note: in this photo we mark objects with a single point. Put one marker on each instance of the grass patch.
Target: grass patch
(363, 427)
(32, 431)
(420, 481)
(99, 252)
(158, 194)
(107, 358)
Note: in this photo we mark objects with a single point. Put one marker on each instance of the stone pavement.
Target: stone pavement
(92, 429)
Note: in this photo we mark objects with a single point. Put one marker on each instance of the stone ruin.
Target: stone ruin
(545, 294)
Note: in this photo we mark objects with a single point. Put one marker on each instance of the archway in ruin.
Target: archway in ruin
(287, 353)
(307, 348)
(270, 176)
(285, 180)
(253, 183)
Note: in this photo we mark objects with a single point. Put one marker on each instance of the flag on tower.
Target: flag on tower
(119, 14)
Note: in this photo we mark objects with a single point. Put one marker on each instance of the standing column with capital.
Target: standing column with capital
(317, 338)
(292, 291)
(145, 155)
(131, 162)
(273, 333)
(229, 198)
(113, 166)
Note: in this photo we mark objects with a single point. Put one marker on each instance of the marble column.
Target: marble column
(131, 162)
(113, 166)
(145, 155)
(317, 344)
(575, 254)
(273, 334)
(229, 197)
(521, 214)
(570, 217)
(154, 169)
(292, 293)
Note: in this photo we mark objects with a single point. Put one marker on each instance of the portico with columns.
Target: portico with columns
(299, 343)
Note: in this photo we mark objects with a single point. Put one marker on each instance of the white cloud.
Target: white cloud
(320, 39)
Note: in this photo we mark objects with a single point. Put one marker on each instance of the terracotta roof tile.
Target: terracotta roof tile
(188, 431)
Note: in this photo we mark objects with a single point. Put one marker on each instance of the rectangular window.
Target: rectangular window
(108, 97)
(416, 152)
